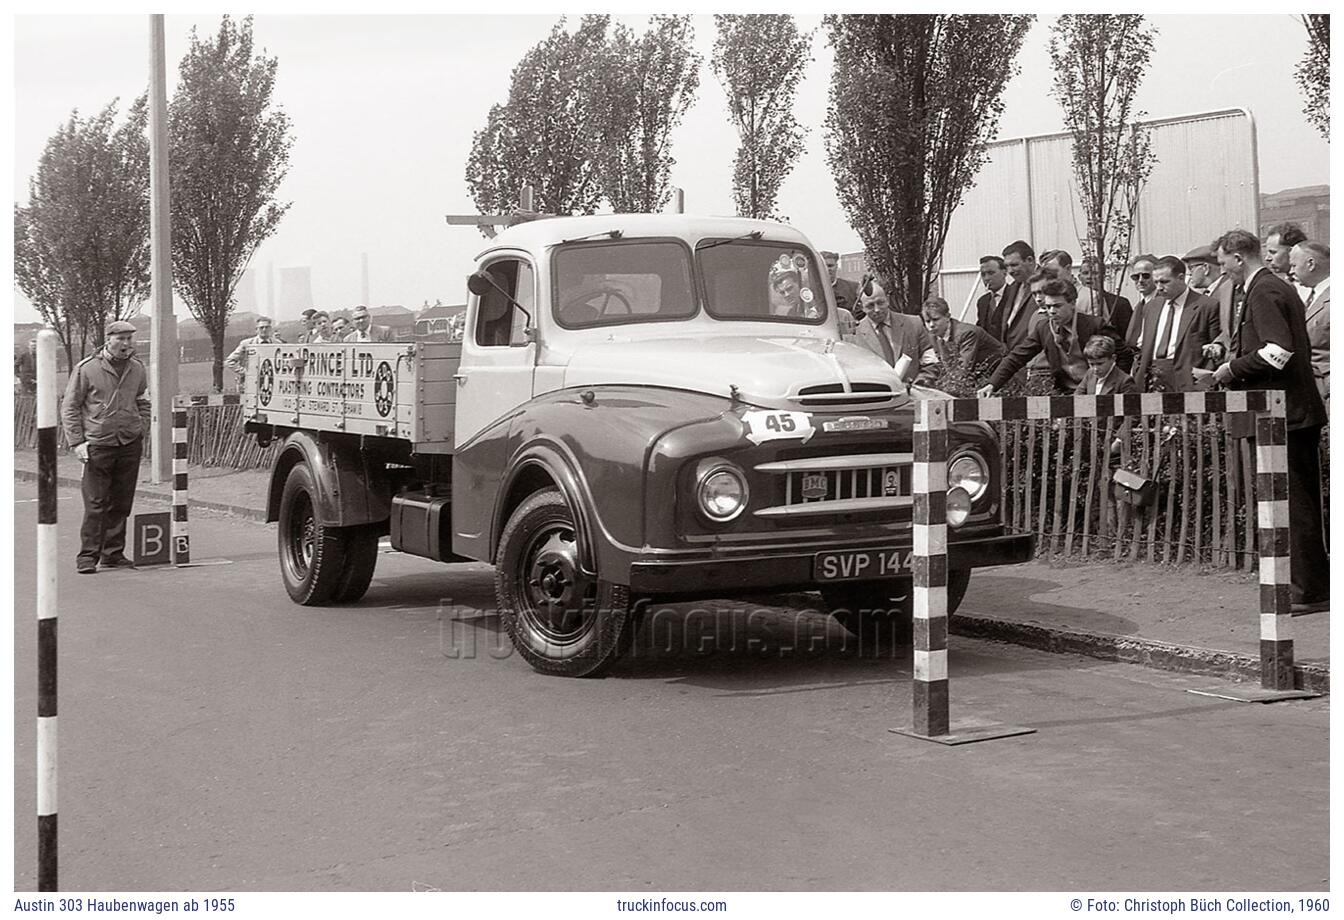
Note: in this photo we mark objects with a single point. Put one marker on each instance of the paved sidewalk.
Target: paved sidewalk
(1165, 617)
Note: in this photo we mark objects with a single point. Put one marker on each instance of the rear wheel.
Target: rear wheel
(312, 555)
(879, 613)
(561, 618)
(361, 556)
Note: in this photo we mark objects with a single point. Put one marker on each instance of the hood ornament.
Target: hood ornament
(733, 393)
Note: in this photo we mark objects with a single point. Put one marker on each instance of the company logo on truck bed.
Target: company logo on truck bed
(327, 380)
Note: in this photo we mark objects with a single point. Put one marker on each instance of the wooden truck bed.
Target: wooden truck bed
(403, 390)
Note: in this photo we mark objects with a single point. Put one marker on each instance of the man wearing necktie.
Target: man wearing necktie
(890, 334)
(994, 274)
(1174, 334)
(1271, 351)
(1060, 338)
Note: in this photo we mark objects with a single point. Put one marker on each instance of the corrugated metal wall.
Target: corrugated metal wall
(1205, 181)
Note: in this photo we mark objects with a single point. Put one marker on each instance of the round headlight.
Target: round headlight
(958, 507)
(722, 493)
(968, 472)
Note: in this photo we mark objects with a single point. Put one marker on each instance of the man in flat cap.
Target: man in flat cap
(105, 415)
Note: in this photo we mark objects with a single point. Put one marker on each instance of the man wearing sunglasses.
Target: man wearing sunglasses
(1141, 274)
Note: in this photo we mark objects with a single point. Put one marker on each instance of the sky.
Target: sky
(383, 108)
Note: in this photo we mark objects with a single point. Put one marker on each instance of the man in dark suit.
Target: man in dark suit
(1011, 322)
(1270, 350)
(958, 344)
(1060, 338)
(1113, 310)
(890, 335)
(994, 274)
(1171, 343)
(846, 291)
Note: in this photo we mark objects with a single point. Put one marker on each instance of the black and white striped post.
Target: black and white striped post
(931, 719)
(47, 561)
(929, 558)
(181, 534)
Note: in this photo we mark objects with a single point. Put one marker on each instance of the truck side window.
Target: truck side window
(498, 322)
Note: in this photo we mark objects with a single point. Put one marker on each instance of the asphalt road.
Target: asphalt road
(214, 736)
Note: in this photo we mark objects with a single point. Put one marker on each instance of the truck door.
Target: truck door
(497, 360)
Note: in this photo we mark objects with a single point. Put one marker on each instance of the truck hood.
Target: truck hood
(776, 372)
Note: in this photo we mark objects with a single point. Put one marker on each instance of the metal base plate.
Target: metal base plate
(967, 731)
(1253, 694)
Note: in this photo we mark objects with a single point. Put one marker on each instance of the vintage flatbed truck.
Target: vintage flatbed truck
(643, 407)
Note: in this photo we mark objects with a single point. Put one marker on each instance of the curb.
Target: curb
(255, 514)
(1150, 653)
(1129, 649)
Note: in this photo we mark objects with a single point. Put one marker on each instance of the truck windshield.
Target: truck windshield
(611, 281)
(761, 280)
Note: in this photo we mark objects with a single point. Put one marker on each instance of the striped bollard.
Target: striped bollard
(181, 534)
(1271, 499)
(931, 721)
(47, 561)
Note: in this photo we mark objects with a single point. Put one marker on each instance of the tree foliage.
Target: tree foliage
(228, 153)
(81, 246)
(1313, 72)
(647, 85)
(1099, 62)
(914, 99)
(759, 60)
(548, 131)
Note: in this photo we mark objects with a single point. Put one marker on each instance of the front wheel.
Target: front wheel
(561, 618)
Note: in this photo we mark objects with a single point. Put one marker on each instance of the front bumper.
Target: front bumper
(793, 569)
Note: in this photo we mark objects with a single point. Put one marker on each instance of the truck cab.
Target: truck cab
(653, 407)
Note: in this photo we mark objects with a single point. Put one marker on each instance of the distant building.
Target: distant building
(1308, 207)
(853, 265)
(296, 291)
(441, 322)
(245, 291)
(399, 319)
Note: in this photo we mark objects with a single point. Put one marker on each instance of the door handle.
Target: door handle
(460, 378)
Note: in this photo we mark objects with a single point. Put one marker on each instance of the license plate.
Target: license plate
(867, 563)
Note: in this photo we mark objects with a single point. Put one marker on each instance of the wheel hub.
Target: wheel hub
(558, 591)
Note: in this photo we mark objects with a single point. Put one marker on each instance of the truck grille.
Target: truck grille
(841, 484)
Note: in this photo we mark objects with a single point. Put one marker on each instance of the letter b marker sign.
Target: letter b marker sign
(152, 538)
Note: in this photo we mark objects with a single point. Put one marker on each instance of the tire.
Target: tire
(562, 620)
(312, 556)
(361, 557)
(879, 614)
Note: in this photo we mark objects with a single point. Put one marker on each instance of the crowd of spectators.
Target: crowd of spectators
(1036, 320)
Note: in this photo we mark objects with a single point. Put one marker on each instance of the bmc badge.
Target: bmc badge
(891, 483)
(266, 382)
(814, 486)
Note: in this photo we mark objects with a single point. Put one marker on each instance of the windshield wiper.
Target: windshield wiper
(614, 234)
(753, 235)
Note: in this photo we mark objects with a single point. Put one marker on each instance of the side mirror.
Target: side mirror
(479, 283)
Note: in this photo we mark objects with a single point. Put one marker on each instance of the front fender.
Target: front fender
(350, 489)
(596, 444)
